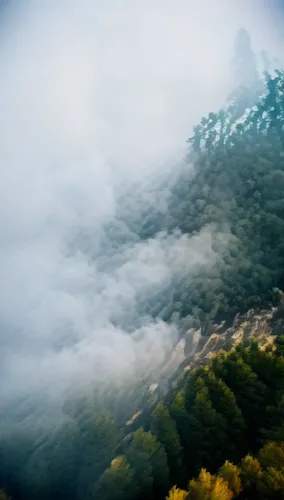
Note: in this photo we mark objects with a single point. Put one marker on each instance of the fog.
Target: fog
(96, 97)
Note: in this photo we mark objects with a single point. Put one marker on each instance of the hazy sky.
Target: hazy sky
(95, 94)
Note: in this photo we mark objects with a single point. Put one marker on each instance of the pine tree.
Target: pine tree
(148, 460)
(116, 483)
(224, 402)
(100, 437)
(164, 427)
(208, 429)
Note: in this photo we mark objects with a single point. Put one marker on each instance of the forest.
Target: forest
(218, 432)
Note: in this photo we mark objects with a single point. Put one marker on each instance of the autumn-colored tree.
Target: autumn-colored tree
(177, 494)
(231, 473)
(251, 472)
(271, 484)
(209, 487)
(272, 455)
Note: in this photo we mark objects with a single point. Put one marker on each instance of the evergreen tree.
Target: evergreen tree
(148, 460)
(100, 438)
(164, 427)
(117, 482)
(208, 428)
(251, 394)
(224, 401)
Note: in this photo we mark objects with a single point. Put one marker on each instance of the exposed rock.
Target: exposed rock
(153, 387)
(134, 417)
(198, 349)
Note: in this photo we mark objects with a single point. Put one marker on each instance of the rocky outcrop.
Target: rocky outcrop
(261, 324)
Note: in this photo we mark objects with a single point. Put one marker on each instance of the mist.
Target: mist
(97, 100)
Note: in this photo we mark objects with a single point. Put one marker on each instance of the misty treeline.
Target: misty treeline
(236, 190)
(230, 410)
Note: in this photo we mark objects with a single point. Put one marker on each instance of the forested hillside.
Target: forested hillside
(225, 419)
(227, 416)
(237, 188)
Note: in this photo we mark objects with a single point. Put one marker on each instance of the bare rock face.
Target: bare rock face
(192, 340)
(195, 348)
(254, 324)
(258, 324)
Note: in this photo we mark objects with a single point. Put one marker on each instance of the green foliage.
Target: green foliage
(100, 438)
(279, 342)
(164, 427)
(148, 460)
(224, 402)
(206, 422)
(117, 482)
(250, 392)
(235, 194)
(215, 415)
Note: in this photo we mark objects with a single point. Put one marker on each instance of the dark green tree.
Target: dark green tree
(148, 461)
(164, 427)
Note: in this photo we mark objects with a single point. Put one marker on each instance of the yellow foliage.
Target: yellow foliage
(272, 455)
(209, 487)
(199, 488)
(272, 482)
(250, 471)
(221, 490)
(177, 494)
(230, 473)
